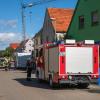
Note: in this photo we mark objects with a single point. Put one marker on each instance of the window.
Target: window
(29, 50)
(30, 44)
(95, 18)
(81, 22)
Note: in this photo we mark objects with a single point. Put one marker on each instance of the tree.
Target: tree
(9, 52)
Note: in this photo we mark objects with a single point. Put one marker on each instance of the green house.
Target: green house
(85, 23)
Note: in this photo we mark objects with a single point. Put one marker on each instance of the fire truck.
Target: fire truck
(68, 63)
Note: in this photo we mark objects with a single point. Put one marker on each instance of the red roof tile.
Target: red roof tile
(14, 45)
(61, 18)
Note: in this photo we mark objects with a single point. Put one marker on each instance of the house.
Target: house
(26, 46)
(56, 23)
(85, 22)
(14, 45)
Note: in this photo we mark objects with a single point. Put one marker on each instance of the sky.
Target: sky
(11, 20)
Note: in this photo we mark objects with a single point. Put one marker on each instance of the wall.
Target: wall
(48, 33)
(85, 7)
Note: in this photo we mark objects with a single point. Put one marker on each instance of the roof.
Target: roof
(22, 44)
(61, 18)
(14, 45)
(78, 2)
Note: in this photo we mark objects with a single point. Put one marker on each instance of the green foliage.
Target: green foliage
(8, 52)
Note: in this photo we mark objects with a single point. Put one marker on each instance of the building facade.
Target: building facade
(85, 24)
(56, 23)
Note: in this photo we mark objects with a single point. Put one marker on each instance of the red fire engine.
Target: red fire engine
(68, 63)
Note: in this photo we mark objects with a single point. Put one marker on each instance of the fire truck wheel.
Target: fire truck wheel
(83, 85)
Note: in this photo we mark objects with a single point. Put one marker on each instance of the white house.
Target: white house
(28, 46)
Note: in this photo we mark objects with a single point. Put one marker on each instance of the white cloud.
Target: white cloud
(9, 23)
(7, 38)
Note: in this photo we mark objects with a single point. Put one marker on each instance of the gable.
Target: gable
(60, 18)
(85, 8)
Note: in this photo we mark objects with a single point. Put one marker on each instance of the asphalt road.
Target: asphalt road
(13, 86)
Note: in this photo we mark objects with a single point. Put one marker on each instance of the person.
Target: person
(9, 65)
(15, 64)
(29, 70)
(33, 64)
(40, 68)
(6, 64)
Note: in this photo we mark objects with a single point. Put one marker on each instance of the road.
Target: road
(13, 86)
